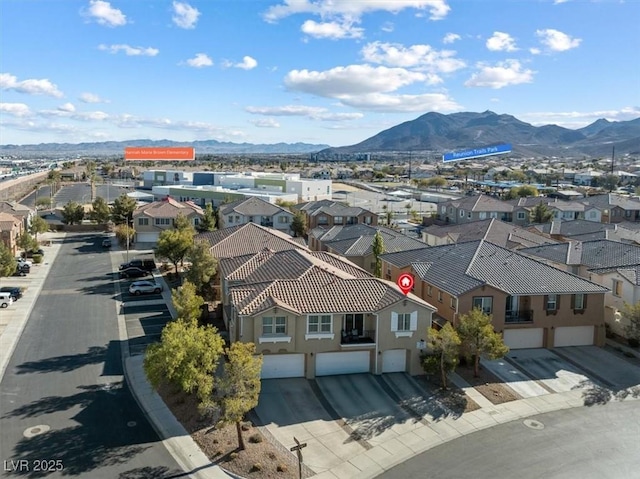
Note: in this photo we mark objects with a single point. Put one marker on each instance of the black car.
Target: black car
(16, 293)
(145, 264)
(133, 272)
(106, 243)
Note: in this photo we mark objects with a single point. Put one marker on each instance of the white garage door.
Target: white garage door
(147, 237)
(282, 366)
(394, 361)
(573, 336)
(524, 338)
(353, 362)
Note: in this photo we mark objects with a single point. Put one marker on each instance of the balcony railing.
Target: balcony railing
(368, 337)
(522, 316)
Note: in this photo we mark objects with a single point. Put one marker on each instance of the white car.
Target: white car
(22, 261)
(145, 287)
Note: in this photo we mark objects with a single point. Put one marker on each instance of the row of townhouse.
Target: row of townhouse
(14, 219)
(608, 208)
(313, 313)
(533, 304)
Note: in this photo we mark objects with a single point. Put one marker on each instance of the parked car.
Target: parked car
(5, 300)
(29, 254)
(133, 272)
(146, 264)
(21, 262)
(14, 291)
(22, 269)
(106, 243)
(145, 287)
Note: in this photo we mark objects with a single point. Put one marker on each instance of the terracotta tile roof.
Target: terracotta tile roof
(357, 240)
(596, 254)
(8, 221)
(481, 203)
(252, 206)
(247, 239)
(269, 265)
(320, 292)
(168, 208)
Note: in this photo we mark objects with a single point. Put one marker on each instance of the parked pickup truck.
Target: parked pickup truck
(146, 264)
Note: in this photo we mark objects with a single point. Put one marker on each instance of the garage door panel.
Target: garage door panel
(394, 361)
(282, 366)
(147, 237)
(352, 362)
(573, 336)
(524, 338)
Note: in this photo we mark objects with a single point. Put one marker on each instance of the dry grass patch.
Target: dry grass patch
(261, 459)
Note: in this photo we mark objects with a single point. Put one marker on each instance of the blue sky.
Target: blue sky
(315, 71)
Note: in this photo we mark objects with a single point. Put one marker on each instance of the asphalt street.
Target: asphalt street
(65, 407)
(587, 443)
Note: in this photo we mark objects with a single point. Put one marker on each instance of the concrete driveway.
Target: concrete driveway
(549, 369)
(604, 365)
(514, 378)
(289, 408)
(366, 408)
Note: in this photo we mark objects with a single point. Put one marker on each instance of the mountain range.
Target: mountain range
(431, 132)
(440, 133)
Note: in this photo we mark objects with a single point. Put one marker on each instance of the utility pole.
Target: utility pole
(613, 155)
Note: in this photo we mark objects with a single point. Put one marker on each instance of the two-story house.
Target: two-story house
(612, 208)
(318, 318)
(562, 210)
(356, 242)
(152, 219)
(11, 227)
(328, 213)
(19, 211)
(608, 263)
(532, 304)
(254, 210)
(497, 232)
(474, 208)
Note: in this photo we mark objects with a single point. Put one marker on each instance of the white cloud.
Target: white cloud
(438, 9)
(450, 38)
(129, 50)
(501, 42)
(265, 123)
(185, 16)
(503, 74)
(312, 112)
(68, 107)
(331, 30)
(578, 119)
(248, 63)
(414, 56)
(535, 51)
(351, 80)
(91, 98)
(558, 2)
(387, 27)
(381, 102)
(200, 60)
(557, 41)
(15, 109)
(103, 13)
(31, 86)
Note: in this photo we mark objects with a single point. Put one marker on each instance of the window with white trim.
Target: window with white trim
(521, 215)
(163, 221)
(552, 302)
(319, 324)
(271, 325)
(485, 303)
(143, 221)
(482, 215)
(283, 219)
(404, 322)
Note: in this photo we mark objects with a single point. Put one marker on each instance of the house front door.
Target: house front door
(354, 324)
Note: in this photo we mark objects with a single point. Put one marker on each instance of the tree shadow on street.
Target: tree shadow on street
(71, 362)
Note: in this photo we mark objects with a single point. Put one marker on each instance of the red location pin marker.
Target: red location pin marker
(405, 283)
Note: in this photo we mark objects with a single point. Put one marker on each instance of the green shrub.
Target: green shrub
(37, 258)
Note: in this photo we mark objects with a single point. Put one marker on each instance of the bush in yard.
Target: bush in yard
(281, 468)
(37, 258)
(256, 467)
(255, 439)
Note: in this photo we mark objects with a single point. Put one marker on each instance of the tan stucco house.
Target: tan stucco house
(314, 314)
(152, 219)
